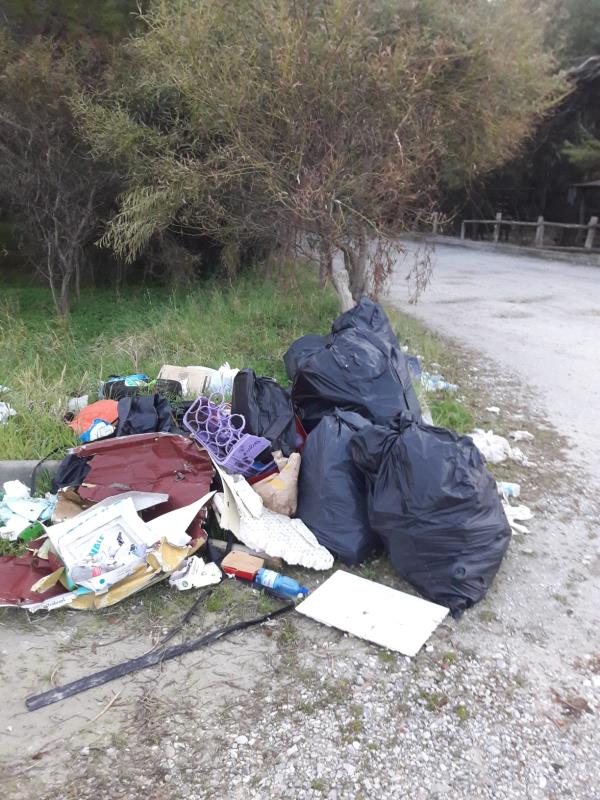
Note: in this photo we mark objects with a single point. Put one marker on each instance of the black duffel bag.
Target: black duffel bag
(267, 408)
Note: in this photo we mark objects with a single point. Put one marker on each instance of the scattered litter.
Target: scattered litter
(517, 515)
(493, 448)
(521, 436)
(76, 404)
(6, 412)
(18, 574)
(262, 529)
(280, 584)
(110, 553)
(96, 421)
(374, 612)
(194, 574)
(508, 489)
(196, 381)
(496, 449)
(18, 510)
(220, 545)
(242, 565)
(279, 492)
(115, 387)
(213, 426)
(131, 501)
(437, 383)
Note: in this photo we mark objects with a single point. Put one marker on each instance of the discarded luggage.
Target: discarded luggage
(267, 408)
(332, 499)
(436, 507)
(358, 367)
(115, 387)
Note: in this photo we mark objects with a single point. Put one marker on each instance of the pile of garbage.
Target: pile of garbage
(340, 466)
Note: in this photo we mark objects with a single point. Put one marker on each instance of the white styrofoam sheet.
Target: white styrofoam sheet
(373, 612)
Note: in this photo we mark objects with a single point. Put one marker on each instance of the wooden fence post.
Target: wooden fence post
(589, 239)
(539, 232)
(497, 227)
(436, 219)
(463, 229)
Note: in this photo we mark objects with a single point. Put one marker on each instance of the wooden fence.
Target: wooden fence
(540, 228)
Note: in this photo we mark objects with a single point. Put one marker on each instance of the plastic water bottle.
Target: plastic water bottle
(280, 583)
(509, 489)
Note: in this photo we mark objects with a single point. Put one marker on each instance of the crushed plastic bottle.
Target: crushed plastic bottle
(437, 383)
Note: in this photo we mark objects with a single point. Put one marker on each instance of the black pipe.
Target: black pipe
(150, 659)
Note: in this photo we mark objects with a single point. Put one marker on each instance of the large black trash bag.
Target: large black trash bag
(302, 348)
(358, 367)
(332, 499)
(267, 409)
(436, 507)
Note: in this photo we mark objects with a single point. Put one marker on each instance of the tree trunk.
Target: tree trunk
(341, 280)
(361, 277)
(63, 298)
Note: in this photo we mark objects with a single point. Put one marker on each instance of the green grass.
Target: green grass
(45, 361)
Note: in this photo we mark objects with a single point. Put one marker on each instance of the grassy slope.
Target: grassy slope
(44, 362)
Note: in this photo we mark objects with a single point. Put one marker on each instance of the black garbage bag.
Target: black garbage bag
(358, 367)
(367, 316)
(436, 507)
(145, 414)
(300, 349)
(267, 409)
(332, 499)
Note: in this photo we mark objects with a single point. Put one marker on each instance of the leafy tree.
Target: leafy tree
(56, 194)
(68, 19)
(335, 122)
(585, 156)
(574, 29)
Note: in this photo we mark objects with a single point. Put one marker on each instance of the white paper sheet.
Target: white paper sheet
(373, 612)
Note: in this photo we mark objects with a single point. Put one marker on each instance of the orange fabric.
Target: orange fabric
(106, 410)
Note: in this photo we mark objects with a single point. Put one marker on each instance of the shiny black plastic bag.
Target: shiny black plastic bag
(358, 367)
(267, 409)
(436, 507)
(332, 499)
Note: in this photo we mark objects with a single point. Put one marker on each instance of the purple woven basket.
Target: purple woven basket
(222, 434)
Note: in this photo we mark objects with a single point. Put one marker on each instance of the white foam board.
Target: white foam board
(374, 612)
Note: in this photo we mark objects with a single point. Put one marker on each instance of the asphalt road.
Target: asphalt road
(537, 318)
